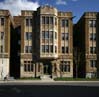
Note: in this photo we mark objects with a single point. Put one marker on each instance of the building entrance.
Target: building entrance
(47, 68)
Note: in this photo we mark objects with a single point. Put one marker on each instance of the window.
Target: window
(51, 48)
(46, 34)
(2, 35)
(92, 23)
(29, 22)
(55, 49)
(25, 67)
(32, 67)
(51, 20)
(66, 49)
(28, 49)
(92, 36)
(28, 66)
(64, 23)
(43, 48)
(93, 63)
(63, 50)
(28, 35)
(43, 34)
(47, 20)
(46, 48)
(51, 34)
(65, 36)
(93, 50)
(65, 66)
(43, 20)
(2, 21)
(1, 49)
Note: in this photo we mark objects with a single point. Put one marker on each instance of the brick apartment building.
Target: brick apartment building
(6, 25)
(85, 42)
(46, 43)
(43, 42)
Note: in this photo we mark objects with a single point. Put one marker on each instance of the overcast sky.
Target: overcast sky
(78, 7)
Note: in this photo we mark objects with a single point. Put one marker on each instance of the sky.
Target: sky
(77, 7)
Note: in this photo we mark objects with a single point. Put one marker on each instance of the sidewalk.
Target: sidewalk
(46, 81)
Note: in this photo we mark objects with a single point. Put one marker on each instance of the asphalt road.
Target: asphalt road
(30, 90)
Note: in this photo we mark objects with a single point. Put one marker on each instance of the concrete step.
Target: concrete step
(46, 78)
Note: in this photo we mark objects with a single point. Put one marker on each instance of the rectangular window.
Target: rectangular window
(64, 23)
(32, 68)
(47, 20)
(92, 23)
(93, 63)
(27, 22)
(65, 36)
(2, 21)
(43, 20)
(1, 49)
(31, 22)
(51, 34)
(93, 50)
(43, 48)
(28, 35)
(46, 34)
(25, 67)
(2, 35)
(51, 20)
(66, 49)
(65, 66)
(51, 48)
(26, 49)
(46, 48)
(43, 34)
(29, 68)
(63, 50)
(92, 36)
(29, 49)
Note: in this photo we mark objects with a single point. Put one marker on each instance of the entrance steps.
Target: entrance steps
(46, 78)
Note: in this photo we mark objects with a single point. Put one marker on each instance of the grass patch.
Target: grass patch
(30, 78)
(75, 79)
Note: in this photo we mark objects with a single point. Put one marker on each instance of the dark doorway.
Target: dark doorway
(47, 68)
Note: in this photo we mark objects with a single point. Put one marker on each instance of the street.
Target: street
(49, 89)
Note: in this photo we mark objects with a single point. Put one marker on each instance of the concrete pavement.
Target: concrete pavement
(46, 82)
